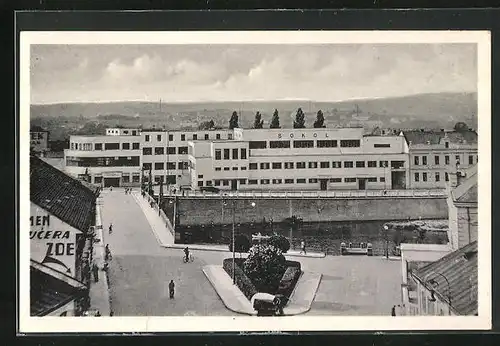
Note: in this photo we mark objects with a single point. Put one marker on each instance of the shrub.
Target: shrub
(242, 281)
(265, 266)
(241, 243)
(280, 242)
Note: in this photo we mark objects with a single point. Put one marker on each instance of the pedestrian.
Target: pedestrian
(95, 270)
(393, 310)
(110, 228)
(171, 287)
(303, 247)
(111, 188)
(279, 301)
(107, 255)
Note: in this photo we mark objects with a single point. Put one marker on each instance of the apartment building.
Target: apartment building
(433, 153)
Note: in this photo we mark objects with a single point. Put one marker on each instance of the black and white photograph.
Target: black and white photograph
(203, 181)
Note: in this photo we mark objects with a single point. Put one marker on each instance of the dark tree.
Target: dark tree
(279, 242)
(241, 244)
(233, 122)
(257, 124)
(320, 120)
(300, 122)
(265, 266)
(275, 121)
(207, 125)
(461, 126)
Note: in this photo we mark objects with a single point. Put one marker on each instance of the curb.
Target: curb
(308, 307)
(100, 233)
(222, 299)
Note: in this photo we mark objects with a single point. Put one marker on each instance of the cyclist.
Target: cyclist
(186, 253)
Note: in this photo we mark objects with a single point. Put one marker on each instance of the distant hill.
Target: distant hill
(423, 110)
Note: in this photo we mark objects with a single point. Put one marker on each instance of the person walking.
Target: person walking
(303, 247)
(393, 310)
(110, 230)
(171, 288)
(95, 271)
(107, 255)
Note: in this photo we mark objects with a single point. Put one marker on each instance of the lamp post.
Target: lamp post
(386, 228)
(434, 282)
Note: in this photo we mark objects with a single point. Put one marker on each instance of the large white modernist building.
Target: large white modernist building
(250, 159)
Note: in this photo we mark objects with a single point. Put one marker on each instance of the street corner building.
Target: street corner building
(62, 216)
(442, 279)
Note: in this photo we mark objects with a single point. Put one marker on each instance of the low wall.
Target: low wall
(195, 211)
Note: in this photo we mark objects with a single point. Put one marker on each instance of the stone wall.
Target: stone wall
(199, 211)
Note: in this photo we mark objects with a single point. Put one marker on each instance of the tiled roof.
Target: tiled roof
(460, 268)
(50, 292)
(435, 136)
(466, 192)
(62, 196)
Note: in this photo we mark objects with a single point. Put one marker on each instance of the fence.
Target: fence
(437, 193)
(152, 202)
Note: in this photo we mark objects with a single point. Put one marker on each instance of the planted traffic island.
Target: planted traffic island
(264, 283)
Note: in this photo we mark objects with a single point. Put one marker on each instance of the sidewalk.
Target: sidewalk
(300, 300)
(230, 294)
(303, 294)
(166, 239)
(99, 291)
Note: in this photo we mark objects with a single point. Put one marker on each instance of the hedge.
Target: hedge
(242, 281)
(289, 279)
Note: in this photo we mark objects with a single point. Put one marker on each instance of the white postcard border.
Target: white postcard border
(28, 324)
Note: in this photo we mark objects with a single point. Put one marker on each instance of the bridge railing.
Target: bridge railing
(316, 194)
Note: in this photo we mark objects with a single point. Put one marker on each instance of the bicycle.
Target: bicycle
(190, 259)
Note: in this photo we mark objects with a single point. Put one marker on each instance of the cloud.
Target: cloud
(243, 72)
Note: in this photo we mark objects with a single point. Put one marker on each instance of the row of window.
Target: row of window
(234, 152)
(324, 164)
(425, 176)
(125, 179)
(120, 161)
(107, 146)
(437, 160)
(194, 137)
(161, 151)
(162, 165)
(225, 182)
(344, 143)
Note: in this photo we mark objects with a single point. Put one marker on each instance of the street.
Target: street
(141, 270)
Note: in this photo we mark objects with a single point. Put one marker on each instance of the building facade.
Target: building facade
(110, 160)
(300, 159)
(272, 159)
(434, 153)
(463, 207)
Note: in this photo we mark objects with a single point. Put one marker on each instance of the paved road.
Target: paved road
(140, 270)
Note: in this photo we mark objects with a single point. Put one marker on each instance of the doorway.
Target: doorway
(234, 184)
(361, 183)
(108, 182)
(323, 184)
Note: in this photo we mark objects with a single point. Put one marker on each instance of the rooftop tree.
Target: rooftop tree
(320, 120)
(300, 122)
(258, 121)
(275, 121)
(233, 122)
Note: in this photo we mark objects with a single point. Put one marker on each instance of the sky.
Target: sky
(197, 73)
